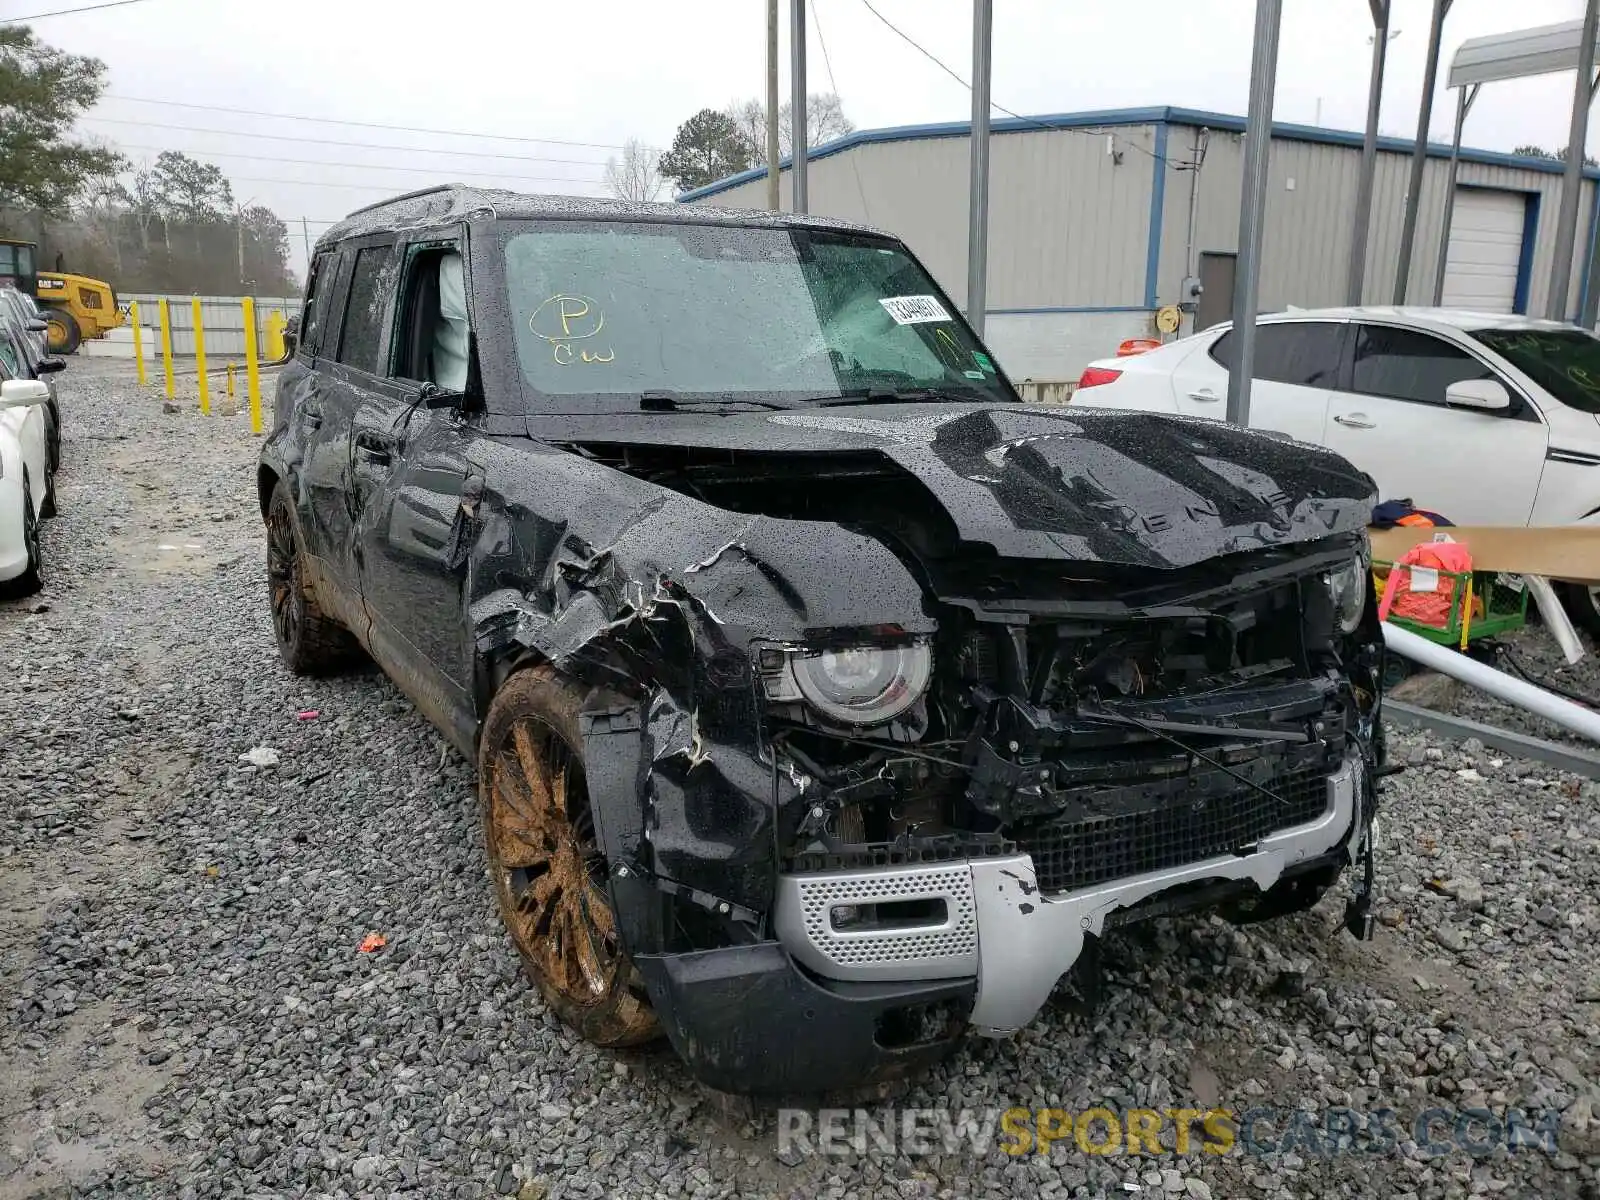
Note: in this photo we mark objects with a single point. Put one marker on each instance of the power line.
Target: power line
(287, 137)
(855, 167)
(379, 187)
(250, 112)
(1034, 121)
(67, 12)
(312, 162)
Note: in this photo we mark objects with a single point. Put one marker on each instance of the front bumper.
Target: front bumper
(991, 925)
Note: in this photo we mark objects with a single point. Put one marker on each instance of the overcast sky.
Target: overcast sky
(597, 72)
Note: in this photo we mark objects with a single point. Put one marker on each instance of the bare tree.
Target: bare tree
(636, 175)
(825, 120)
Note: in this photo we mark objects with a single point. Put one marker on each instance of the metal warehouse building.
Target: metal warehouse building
(1096, 221)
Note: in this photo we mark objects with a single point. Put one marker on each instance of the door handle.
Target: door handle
(311, 415)
(1356, 421)
(1206, 395)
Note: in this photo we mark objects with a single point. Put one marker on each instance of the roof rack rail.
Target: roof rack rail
(427, 191)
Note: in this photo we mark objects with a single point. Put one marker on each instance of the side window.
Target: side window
(318, 279)
(8, 356)
(431, 337)
(1404, 364)
(371, 288)
(1303, 353)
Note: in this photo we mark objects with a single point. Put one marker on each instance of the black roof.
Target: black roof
(456, 202)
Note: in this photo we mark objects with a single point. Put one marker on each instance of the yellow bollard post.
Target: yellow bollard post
(166, 345)
(200, 358)
(275, 346)
(138, 342)
(230, 382)
(252, 371)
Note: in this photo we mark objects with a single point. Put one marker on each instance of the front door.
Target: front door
(412, 484)
(1391, 420)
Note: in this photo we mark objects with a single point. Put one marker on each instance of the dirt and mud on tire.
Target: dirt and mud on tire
(548, 872)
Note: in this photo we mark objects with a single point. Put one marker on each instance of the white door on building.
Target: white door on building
(1485, 250)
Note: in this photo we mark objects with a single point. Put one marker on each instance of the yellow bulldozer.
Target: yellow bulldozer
(74, 307)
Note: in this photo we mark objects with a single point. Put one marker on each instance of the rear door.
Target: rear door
(354, 348)
(1296, 366)
(1389, 418)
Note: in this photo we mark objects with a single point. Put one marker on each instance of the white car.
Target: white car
(26, 485)
(1486, 418)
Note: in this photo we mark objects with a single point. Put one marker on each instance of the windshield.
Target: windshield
(607, 311)
(1564, 362)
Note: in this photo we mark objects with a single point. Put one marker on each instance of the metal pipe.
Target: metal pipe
(1253, 204)
(798, 199)
(978, 198)
(1356, 275)
(1202, 137)
(773, 202)
(1419, 153)
(1570, 716)
(1464, 98)
(1555, 301)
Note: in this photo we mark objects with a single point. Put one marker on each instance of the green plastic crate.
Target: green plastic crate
(1505, 605)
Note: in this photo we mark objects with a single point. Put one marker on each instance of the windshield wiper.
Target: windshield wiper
(886, 395)
(667, 400)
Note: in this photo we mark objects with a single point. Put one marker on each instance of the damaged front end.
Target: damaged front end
(862, 780)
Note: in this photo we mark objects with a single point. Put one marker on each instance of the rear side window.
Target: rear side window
(372, 284)
(318, 280)
(1303, 353)
(1404, 364)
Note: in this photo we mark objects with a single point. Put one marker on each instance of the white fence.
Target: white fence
(221, 318)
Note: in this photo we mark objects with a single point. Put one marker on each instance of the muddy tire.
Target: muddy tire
(309, 642)
(62, 335)
(545, 862)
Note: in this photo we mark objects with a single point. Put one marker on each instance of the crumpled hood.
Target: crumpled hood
(1118, 487)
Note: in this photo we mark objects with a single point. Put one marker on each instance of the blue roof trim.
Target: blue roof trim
(1133, 116)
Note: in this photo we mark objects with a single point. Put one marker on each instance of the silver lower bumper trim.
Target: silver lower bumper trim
(996, 925)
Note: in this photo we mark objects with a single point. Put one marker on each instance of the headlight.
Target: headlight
(1348, 586)
(856, 685)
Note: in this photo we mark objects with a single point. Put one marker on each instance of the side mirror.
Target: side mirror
(21, 393)
(1486, 395)
(49, 366)
(35, 325)
(291, 336)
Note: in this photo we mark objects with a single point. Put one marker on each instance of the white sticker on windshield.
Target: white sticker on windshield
(914, 310)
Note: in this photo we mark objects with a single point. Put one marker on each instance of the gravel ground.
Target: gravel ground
(186, 1011)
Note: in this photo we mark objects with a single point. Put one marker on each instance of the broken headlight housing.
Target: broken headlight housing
(1348, 586)
(850, 685)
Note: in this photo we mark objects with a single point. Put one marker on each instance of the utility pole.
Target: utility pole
(305, 233)
(1356, 274)
(1555, 302)
(1419, 152)
(978, 195)
(1253, 205)
(773, 201)
(799, 201)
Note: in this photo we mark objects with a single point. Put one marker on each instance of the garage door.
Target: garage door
(1485, 250)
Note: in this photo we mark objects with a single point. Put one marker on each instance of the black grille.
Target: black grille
(1196, 820)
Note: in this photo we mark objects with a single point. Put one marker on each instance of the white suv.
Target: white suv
(1486, 418)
